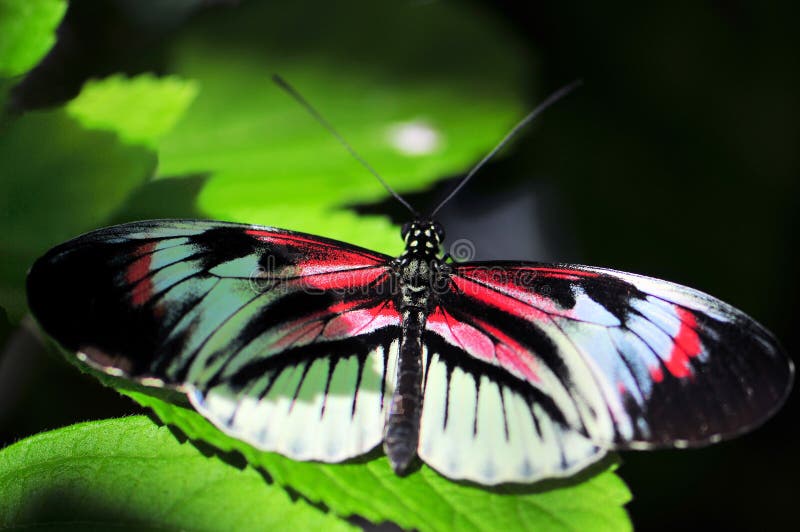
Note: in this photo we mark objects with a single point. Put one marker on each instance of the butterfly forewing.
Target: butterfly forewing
(627, 360)
(281, 339)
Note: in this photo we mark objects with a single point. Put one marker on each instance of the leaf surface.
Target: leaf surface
(130, 474)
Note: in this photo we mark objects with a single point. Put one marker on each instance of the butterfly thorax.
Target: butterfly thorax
(416, 276)
(420, 264)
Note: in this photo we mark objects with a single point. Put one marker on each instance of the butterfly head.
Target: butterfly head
(423, 238)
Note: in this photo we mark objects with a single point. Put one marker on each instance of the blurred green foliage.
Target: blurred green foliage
(140, 110)
(270, 163)
(27, 32)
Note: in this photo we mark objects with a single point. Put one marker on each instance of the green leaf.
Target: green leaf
(59, 180)
(27, 32)
(140, 109)
(457, 75)
(130, 474)
(424, 500)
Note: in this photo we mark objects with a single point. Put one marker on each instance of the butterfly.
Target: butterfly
(491, 372)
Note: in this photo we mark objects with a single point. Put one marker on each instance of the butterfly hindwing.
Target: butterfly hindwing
(326, 408)
(480, 425)
(620, 360)
(281, 339)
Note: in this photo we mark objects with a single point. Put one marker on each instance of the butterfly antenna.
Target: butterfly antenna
(283, 84)
(553, 98)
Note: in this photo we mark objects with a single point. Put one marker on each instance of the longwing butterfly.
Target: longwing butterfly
(488, 371)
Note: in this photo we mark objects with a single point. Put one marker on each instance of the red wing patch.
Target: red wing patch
(317, 255)
(344, 281)
(460, 334)
(686, 345)
(137, 274)
(361, 321)
(485, 342)
(491, 296)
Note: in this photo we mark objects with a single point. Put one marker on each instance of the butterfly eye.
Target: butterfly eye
(405, 230)
(439, 231)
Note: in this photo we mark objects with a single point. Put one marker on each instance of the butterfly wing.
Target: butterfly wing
(554, 364)
(281, 339)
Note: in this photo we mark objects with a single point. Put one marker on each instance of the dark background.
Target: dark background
(678, 158)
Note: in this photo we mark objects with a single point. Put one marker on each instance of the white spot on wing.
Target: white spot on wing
(152, 381)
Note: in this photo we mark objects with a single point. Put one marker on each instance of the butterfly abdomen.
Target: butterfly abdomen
(401, 434)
